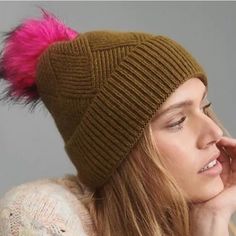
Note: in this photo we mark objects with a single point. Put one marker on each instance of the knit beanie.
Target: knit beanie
(101, 87)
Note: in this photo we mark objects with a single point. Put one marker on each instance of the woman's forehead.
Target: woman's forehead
(190, 91)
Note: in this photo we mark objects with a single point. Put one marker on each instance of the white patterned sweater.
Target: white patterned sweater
(47, 207)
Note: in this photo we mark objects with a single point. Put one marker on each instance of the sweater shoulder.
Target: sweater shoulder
(45, 207)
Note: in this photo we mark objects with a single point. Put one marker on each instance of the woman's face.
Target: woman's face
(186, 137)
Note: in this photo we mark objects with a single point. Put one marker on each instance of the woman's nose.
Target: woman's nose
(210, 132)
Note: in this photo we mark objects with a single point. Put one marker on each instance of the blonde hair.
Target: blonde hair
(141, 197)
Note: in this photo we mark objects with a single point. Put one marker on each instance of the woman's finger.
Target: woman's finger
(226, 169)
(229, 146)
(233, 171)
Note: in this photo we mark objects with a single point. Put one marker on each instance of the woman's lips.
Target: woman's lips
(214, 157)
(213, 171)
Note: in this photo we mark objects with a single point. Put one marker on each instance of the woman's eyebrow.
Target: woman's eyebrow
(180, 104)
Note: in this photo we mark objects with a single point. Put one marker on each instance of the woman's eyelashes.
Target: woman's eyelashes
(206, 106)
(179, 124)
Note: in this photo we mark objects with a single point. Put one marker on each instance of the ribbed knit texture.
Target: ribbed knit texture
(104, 87)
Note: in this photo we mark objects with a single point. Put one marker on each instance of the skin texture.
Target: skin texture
(214, 214)
(189, 144)
(186, 146)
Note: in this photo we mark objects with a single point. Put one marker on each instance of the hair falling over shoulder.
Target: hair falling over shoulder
(142, 198)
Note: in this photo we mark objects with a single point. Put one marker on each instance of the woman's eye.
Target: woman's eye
(179, 122)
(205, 107)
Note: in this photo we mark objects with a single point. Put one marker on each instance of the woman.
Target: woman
(132, 110)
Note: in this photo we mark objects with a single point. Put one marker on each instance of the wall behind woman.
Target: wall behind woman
(30, 145)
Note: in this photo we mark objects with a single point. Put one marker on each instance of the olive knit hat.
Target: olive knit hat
(101, 87)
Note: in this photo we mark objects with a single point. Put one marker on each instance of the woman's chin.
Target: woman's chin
(208, 192)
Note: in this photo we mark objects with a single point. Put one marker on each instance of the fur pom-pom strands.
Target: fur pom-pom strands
(22, 48)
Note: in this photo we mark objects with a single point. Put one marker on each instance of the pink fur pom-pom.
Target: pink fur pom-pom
(22, 49)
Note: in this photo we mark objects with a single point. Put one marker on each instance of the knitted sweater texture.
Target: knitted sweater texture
(44, 207)
(49, 207)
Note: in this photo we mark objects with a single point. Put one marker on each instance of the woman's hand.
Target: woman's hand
(227, 146)
(225, 202)
(214, 214)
